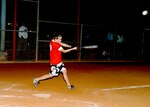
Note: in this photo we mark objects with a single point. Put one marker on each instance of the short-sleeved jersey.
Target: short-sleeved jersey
(55, 53)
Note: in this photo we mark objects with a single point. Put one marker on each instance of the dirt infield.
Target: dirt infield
(96, 85)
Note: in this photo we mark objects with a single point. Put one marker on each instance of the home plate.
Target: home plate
(41, 95)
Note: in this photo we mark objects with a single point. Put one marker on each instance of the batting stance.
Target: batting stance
(56, 63)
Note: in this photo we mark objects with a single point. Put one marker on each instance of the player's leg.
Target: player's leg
(65, 75)
(43, 77)
(54, 71)
(46, 76)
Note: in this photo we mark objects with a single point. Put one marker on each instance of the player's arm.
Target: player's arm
(68, 50)
(65, 45)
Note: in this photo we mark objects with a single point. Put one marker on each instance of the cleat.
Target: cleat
(35, 82)
(71, 87)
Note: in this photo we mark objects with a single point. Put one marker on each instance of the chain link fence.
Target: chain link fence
(114, 43)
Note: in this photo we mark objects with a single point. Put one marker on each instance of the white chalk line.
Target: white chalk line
(43, 95)
(125, 88)
(10, 87)
(19, 90)
(90, 104)
(11, 96)
(38, 94)
(3, 105)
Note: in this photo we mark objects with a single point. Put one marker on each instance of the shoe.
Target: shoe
(71, 87)
(35, 82)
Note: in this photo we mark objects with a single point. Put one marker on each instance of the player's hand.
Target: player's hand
(74, 48)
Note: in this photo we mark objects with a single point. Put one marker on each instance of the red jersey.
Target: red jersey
(55, 54)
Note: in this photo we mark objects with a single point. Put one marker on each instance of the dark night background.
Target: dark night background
(122, 17)
(108, 12)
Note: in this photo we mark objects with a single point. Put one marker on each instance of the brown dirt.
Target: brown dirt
(96, 85)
